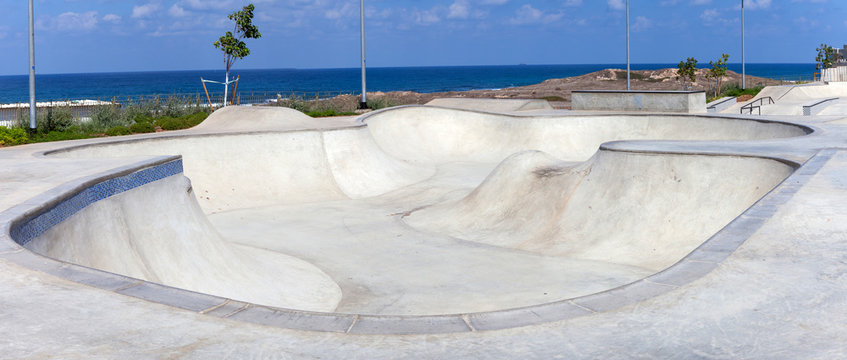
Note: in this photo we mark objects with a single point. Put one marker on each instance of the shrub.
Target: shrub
(108, 116)
(327, 113)
(381, 103)
(56, 119)
(118, 131)
(184, 122)
(13, 136)
(72, 133)
(142, 127)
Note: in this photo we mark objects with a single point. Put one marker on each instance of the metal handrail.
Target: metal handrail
(752, 105)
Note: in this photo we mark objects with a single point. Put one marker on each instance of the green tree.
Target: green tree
(687, 70)
(827, 56)
(233, 46)
(718, 71)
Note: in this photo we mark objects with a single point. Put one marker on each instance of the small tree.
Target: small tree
(233, 46)
(827, 56)
(687, 70)
(718, 71)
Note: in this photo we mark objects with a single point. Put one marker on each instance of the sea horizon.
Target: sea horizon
(699, 66)
(422, 79)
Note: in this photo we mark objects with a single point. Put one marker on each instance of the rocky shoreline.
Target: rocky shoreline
(558, 91)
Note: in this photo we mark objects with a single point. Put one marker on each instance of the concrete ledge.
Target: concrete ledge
(691, 102)
(816, 107)
(721, 104)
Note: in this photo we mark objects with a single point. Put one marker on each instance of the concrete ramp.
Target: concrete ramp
(158, 233)
(646, 210)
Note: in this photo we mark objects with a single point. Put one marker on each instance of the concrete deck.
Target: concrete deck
(770, 284)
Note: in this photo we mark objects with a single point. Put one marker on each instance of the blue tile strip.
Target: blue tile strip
(39, 224)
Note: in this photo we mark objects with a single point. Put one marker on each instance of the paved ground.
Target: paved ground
(781, 294)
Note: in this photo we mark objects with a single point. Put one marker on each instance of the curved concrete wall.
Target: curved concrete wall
(432, 135)
(231, 171)
(155, 231)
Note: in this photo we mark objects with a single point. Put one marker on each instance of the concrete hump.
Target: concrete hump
(255, 118)
(645, 210)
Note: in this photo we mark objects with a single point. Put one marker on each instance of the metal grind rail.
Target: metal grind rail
(757, 104)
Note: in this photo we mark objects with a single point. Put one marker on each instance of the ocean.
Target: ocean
(15, 88)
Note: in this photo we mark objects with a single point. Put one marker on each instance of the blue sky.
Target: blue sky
(74, 36)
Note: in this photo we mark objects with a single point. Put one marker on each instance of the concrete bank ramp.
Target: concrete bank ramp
(158, 233)
(646, 210)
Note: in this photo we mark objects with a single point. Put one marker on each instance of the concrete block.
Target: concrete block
(683, 272)
(691, 102)
(623, 296)
(557, 311)
(400, 325)
(297, 320)
(182, 299)
(227, 309)
(96, 278)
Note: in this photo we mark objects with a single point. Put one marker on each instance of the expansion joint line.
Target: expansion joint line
(468, 322)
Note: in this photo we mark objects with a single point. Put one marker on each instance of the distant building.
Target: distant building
(838, 73)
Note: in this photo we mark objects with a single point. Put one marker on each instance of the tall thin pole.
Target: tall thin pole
(32, 123)
(743, 63)
(627, 45)
(364, 103)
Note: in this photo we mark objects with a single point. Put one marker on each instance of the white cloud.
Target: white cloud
(757, 4)
(426, 17)
(573, 2)
(70, 22)
(177, 11)
(529, 15)
(348, 10)
(616, 4)
(216, 4)
(460, 9)
(709, 15)
(641, 23)
(145, 10)
(112, 18)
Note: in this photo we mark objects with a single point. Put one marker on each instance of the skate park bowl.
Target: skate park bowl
(412, 219)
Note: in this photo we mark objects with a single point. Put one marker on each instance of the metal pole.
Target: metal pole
(364, 103)
(627, 45)
(743, 64)
(32, 123)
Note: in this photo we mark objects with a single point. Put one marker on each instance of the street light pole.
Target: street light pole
(627, 45)
(32, 122)
(364, 103)
(743, 63)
